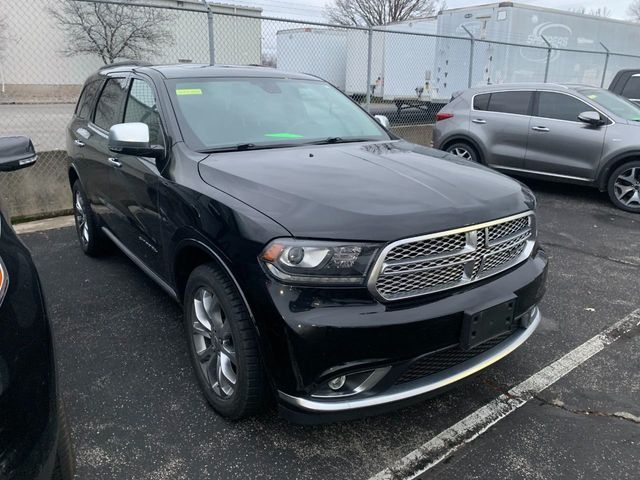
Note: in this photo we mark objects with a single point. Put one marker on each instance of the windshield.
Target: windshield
(218, 113)
(612, 102)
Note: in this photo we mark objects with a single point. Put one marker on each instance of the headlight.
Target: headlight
(4, 281)
(317, 262)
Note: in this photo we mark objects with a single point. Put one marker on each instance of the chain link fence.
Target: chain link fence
(405, 71)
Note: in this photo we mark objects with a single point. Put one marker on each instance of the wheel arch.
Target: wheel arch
(189, 254)
(466, 139)
(612, 164)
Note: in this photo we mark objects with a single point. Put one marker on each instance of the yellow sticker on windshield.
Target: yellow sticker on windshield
(592, 97)
(188, 91)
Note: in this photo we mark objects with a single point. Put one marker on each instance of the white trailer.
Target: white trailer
(401, 63)
(529, 26)
(317, 51)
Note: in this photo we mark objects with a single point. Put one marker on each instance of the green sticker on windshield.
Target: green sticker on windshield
(592, 97)
(283, 135)
(188, 91)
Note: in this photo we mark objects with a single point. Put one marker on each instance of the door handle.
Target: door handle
(540, 129)
(115, 162)
(78, 143)
(479, 120)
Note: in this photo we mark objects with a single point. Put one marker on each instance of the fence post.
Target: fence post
(212, 50)
(472, 39)
(546, 68)
(369, 56)
(606, 64)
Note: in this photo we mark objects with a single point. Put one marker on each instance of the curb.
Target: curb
(47, 224)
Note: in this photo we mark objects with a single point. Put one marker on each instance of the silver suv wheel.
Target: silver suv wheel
(627, 187)
(213, 343)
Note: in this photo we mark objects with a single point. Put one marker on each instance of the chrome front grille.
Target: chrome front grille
(439, 261)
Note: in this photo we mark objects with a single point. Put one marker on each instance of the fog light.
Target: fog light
(337, 383)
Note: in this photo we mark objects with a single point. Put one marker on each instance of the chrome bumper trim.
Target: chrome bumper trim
(428, 384)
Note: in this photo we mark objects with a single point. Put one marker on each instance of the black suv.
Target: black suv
(318, 257)
(35, 439)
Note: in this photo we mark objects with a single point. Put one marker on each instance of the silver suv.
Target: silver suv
(569, 133)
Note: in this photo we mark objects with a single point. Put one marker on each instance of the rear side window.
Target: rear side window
(560, 107)
(481, 102)
(510, 102)
(141, 107)
(109, 108)
(87, 99)
(632, 88)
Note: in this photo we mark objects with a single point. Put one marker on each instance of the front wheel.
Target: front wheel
(465, 151)
(223, 344)
(624, 187)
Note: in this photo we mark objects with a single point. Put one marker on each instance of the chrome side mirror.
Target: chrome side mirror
(133, 139)
(591, 118)
(382, 120)
(16, 153)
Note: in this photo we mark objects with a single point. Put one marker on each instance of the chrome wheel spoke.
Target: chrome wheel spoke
(227, 349)
(226, 375)
(201, 329)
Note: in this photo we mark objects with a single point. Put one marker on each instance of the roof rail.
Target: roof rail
(128, 63)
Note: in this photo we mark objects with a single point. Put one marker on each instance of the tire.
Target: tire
(464, 150)
(223, 344)
(65, 465)
(91, 238)
(624, 187)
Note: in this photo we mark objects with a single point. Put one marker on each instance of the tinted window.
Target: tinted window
(510, 102)
(110, 103)
(560, 107)
(141, 107)
(481, 102)
(87, 98)
(632, 88)
(222, 112)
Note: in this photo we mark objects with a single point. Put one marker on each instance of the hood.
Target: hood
(378, 191)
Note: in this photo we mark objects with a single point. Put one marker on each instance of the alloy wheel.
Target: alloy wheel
(462, 153)
(627, 187)
(81, 219)
(213, 343)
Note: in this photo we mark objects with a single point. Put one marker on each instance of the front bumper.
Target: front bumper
(314, 335)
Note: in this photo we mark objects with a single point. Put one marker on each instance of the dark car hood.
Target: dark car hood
(365, 191)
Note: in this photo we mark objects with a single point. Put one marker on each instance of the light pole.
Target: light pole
(212, 52)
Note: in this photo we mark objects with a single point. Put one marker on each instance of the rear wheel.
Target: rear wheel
(624, 187)
(223, 344)
(464, 150)
(91, 239)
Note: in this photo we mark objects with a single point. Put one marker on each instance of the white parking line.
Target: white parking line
(466, 430)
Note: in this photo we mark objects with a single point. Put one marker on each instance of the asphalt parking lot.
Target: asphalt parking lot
(136, 410)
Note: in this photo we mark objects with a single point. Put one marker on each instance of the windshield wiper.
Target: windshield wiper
(330, 140)
(248, 146)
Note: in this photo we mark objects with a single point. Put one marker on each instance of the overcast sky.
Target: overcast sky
(313, 9)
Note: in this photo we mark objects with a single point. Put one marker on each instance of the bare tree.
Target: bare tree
(112, 31)
(634, 10)
(379, 12)
(596, 12)
(268, 60)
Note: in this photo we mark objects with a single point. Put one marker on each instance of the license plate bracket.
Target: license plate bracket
(487, 322)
